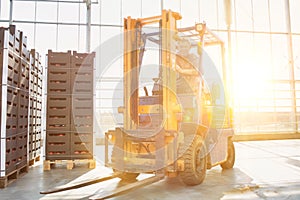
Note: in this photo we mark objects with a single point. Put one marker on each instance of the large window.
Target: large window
(261, 63)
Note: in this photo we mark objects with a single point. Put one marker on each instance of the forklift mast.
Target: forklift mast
(133, 52)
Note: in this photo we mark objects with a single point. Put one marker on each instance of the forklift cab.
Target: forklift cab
(195, 95)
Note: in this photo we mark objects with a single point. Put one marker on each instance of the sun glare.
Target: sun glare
(250, 81)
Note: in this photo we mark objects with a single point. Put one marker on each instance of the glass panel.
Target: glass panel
(284, 106)
(95, 12)
(221, 23)
(261, 15)
(296, 49)
(280, 57)
(109, 33)
(67, 38)
(189, 13)
(46, 11)
(243, 12)
(110, 12)
(132, 8)
(154, 5)
(208, 13)
(95, 43)
(114, 69)
(277, 13)
(243, 67)
(68, 12)
(4, 14)
(262, 57)
(223, 36)
(174, 5)
(82, 13)
(111, 52)
(298, 93)
(295, 15)
(109, 83)
(95, 37)
(213, 55)
(82, 38)
(45, 39)
(24, 11)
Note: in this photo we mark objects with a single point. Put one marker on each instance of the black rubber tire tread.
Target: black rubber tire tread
(228, 164)
(126, 176)
(187, 151)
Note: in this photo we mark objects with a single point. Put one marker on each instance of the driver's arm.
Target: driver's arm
(191, 72)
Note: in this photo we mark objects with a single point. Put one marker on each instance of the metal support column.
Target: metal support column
(88, 25)
(10, 12)
(228, 19)
(291, 63)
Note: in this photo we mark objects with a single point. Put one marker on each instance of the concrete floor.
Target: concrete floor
(263, 170)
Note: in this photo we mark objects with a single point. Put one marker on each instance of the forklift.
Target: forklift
(183, 126)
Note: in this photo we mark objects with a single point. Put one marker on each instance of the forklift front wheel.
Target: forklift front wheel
(126, 176)
(195, 163)
(228, 164)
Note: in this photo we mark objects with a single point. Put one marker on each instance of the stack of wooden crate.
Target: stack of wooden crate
(35, 107)
(14, 100)
(70, 107)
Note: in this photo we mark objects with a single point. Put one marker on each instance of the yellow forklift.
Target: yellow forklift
(181, 123)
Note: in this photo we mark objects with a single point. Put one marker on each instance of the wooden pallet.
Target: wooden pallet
(34, 160)
(11, 177)
(49, 164)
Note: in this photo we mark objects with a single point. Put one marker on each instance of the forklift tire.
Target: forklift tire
(195, 161)
(125, 176)
(228, 164)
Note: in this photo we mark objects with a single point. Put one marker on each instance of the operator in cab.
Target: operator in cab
(188, 67)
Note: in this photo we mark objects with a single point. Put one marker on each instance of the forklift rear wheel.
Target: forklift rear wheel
(193, 154)
(228, 164)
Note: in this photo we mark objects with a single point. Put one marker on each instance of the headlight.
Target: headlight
(199, 27)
